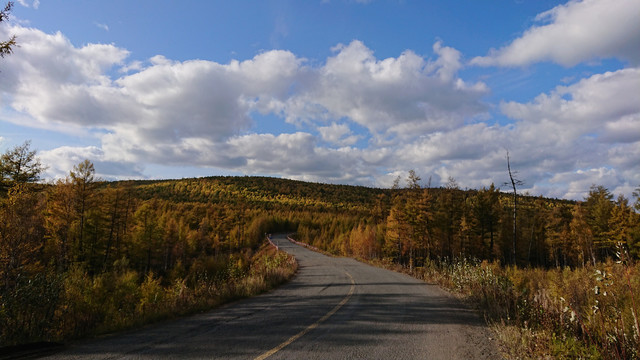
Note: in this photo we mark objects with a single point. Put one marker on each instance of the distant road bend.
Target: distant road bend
(335, 308)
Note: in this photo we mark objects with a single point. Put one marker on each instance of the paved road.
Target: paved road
(335, 308)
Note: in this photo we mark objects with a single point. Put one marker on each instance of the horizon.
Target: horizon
(338, 92)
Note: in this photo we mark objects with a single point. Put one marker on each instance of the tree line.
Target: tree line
(413, 224)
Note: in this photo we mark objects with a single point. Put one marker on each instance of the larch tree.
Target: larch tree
(599, 205)
(21, 233)
(60, 216)
(19, 166)
(581, 250)
(84, 185)
(621, 223)
(487, 211)
(21, 222)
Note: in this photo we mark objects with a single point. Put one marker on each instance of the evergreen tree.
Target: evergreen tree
(19, 166)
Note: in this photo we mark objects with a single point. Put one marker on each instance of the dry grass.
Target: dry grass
(582, 313)
(113, 301)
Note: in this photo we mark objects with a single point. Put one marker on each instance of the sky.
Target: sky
(332, 91)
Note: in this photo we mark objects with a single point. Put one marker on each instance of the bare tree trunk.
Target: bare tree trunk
(514, 182)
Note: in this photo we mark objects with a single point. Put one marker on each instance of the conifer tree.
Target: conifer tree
(19, 166)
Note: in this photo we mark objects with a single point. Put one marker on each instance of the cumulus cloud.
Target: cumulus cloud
(197, 112)
(360, 119)
(339, 134)
(390, 97)
(582, 134)
(66, 157)
(603, 105)
(575, 32)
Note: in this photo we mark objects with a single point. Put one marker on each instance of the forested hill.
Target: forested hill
(275, 192)
(412, 223)
(262, 191)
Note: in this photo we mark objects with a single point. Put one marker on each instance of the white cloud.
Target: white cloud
(298, 156)
(374, 118)
(583, 134)
(603, 105)
(338, 134)
(35, 3)
(575, 32)
(580, 181)
(64, 158)
(392, 97)
(104, 27)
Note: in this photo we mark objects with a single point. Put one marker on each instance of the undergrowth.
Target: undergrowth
(75, 305)
(581, 313)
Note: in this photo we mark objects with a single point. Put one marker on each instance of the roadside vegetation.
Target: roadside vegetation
(82, 256)
(559, 313)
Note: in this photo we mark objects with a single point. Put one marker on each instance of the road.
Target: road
(335, 308)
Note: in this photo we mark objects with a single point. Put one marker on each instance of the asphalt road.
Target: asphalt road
(335, 308)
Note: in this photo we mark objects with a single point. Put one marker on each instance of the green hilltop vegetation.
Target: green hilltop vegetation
(81, 256)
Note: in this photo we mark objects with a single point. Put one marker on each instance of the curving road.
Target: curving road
(335, 308)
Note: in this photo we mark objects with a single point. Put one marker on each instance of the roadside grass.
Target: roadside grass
(80, 305)
(581, 313)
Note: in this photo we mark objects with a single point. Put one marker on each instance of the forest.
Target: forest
(81, 256)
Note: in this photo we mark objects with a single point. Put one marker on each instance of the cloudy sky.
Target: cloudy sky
(337, 91)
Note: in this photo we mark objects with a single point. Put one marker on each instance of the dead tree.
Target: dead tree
(514, 182)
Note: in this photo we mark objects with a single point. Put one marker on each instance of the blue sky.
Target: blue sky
(339, 91)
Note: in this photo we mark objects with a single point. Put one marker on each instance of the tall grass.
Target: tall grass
(588, 313)
(76, 305)
(562, 313)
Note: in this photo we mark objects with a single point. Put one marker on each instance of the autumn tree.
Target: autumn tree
(408, 223)
(21, 226)
(116, 205)
(147, 236)
(621, 223)
(558, 239)
(397, 230)
(84, 186)
(60, 215)
(599, 206)
(21, 234)
(448, 216)
(487, 211)
(19, 166)
(535, 231)
(581, 250)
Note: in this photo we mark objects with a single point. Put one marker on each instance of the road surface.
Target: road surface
(335, 308)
